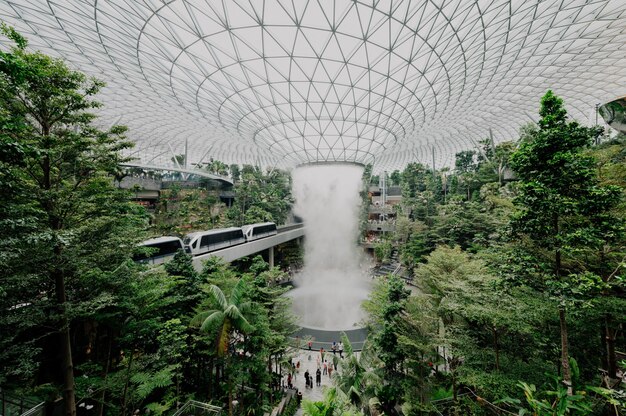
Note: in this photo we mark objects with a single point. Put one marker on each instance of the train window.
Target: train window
(159, 249)
(168, 247)
(263, 229)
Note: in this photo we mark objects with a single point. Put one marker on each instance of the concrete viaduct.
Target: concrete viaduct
(285, 233)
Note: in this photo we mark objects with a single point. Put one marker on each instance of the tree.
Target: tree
(186, 290)
(495, 158)
(466, 167)
(556, 183)
(386, 341)
(235, 172)
(356, 380)
(261, 197)
(223, 321)
(227, 317)
(63, 195)
(395, 177)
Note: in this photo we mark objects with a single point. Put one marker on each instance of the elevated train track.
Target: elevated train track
(285, 233)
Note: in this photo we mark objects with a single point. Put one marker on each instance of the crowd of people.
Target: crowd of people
(324, 366)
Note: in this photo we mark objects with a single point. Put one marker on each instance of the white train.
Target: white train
(203, 242)
(206, 241)
(164, 249)
(260, 230)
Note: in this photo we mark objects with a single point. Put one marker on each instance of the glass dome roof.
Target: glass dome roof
(281, 83)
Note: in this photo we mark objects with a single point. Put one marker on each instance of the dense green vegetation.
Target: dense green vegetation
(79, 318)
(259, 197)
(515, 261)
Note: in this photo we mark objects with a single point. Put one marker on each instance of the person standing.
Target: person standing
(325, 371)
(341, 349)
(318, 377)
(289, 381)
(306, 379)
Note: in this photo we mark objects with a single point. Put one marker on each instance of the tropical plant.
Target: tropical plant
(558, 187)
(224, 321)
(61, 212)
(356, 378)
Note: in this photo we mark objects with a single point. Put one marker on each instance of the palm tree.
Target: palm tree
(223, 321)
(355, 379)
(325, 407)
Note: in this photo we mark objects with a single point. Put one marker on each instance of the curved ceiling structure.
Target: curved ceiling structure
(285, 82)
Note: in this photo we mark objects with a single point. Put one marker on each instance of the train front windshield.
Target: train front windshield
(159, 249)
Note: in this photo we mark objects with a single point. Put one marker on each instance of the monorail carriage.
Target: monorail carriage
(207, 241)
(164, 249)
(260, 230)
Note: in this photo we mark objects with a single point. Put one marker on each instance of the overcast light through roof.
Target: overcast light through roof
(289, 82)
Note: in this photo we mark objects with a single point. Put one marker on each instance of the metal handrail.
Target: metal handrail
(203, 406)
(33, 410)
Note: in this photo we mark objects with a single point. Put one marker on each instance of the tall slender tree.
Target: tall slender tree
(63, 198)
(557, 183)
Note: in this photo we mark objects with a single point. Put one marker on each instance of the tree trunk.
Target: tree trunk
(269, 367)
(454, 392)
(66, 346)
(567, 375)
(106, 374)
(496, 348)
(210, 389)
(604, 359)
(230, 388)
(127, 382)
(610, 347)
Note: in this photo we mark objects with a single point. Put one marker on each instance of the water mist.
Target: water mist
(333, 283)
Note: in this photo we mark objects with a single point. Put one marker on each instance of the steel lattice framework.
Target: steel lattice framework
(284, 82)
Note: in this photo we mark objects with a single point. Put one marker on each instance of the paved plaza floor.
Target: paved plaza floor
(309, 361)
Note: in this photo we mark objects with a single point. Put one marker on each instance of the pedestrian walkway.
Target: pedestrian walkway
(317, 392)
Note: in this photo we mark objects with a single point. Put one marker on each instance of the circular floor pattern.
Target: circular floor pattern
(322, 338)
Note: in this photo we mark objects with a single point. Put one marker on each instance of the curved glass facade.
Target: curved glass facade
(279, 82)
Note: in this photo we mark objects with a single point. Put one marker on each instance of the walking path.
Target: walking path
(316, 393)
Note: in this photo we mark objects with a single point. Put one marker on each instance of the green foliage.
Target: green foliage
(383, 250)
(291, 408)
(355, 378)
(385, 341)
(146, 383)
(563, 209)
(181, 211)
(261, 197)
(227, 317)
(552, 402)
(66, 231)
(67, 237)
(333, 404)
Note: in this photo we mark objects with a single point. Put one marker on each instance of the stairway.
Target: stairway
(390, 268)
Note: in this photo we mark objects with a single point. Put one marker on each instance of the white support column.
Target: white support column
(271, 256)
